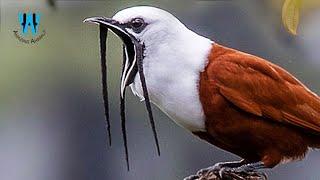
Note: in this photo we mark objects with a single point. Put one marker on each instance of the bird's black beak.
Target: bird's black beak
(130, 68)
(132, 64)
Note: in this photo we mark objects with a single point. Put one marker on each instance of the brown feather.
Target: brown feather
(256, 109)
(261, 88)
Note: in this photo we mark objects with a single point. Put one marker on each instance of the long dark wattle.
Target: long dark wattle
(103, 49)
(123, 116)
(123, 128)
(139, 55)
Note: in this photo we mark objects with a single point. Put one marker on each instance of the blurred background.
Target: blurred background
(51, 113)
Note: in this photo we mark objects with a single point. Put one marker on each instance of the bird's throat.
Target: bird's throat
(172, 77)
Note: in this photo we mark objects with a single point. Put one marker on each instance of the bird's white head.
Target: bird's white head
(163, 37)
(173, 57)
(149, 24)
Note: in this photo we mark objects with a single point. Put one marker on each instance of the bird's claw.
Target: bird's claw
(212, 169)
(241, 174)
(222, 172)
(206, 172)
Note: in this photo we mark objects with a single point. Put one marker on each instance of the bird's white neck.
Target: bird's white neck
(172, 70)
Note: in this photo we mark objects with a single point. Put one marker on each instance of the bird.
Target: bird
(236, 101)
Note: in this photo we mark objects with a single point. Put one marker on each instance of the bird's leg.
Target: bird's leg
(220, 165)
(246, 170)
(216, 168)
(234, 170)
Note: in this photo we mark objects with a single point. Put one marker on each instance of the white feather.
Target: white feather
(174, 58)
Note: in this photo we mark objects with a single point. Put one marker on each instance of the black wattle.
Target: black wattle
(103, 49)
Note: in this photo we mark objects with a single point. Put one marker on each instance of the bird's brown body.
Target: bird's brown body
(236, 101)
(256, 109)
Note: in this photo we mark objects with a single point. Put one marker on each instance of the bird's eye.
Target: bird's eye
(137, 25)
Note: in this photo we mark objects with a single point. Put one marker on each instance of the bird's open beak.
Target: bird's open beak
(130, 68)
(132, 64)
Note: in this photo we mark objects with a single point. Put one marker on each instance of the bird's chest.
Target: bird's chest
(175, 91)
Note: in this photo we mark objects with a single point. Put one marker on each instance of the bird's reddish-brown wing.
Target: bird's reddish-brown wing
(263, 89)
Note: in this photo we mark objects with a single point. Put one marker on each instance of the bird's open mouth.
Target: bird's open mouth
(130, 68)
(133, 54)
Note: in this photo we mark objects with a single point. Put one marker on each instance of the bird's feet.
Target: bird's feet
(241, 173)
(215, 169)
(230, 170)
